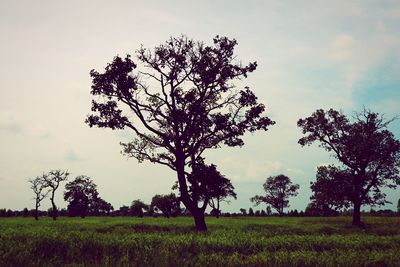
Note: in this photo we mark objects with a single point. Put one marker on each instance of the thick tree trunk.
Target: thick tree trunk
(357, 214)
(197, 213)
(199, 220)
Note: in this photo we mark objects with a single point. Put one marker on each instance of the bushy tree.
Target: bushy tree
(52, 181)
(209, 186)
(38, 185)
(278, 189)
(330, 190)
(138, 208)
(367, 150)
(169, 205)
(181, 102)
(80, 193)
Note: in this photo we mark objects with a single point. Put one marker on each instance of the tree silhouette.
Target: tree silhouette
(278, 189)
(208, 185)
(179, 104)
(169, 205)
(81, 193)
(368, 151)
(38, 185)
(53, 180)
(138, 207)
(330, 190)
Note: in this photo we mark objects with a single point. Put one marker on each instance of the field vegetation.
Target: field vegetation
(238, 241)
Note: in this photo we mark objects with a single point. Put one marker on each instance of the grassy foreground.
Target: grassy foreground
(172, 242)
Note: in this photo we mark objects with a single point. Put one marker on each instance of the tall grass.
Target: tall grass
(173, 242)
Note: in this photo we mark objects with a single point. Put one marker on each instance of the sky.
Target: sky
(311, 54)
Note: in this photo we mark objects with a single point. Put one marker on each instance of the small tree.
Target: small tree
(81, 194)
(269, 211)
(278, 189)
(367, 150)
(169, 205)
(330, 190)
(53, 180)
(99, 206)
(38, 185)
(138, 208)
(251, 212)
(180, 103)
(209, 186)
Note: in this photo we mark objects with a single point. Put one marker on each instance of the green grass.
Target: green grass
(173, 242)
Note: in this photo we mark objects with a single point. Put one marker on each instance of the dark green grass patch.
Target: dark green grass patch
(173, 242)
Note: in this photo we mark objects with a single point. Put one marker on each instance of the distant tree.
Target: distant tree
(194, 108)
(331, 190)
(169, 205)
(257, 213)
(99, 206)
(53, 180)
(263, 213)
(123, 211)
(138, 208)
(367, 150)
(269, 211)
(209, 186)
(278, 189)
(80, 193)
(25, 212)
(243, 211)
(38, 185)
(251, 212)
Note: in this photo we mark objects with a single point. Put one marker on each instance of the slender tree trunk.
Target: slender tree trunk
(37, 212)
(54, 211)
(357, 213)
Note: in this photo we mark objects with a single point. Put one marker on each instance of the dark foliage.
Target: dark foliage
(138, 208)
(168, 205)
(368, 151)
(195, 106)
(278, 189)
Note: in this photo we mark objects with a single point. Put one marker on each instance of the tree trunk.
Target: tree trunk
(54, 211)
(37, 212)
(197, 213)
(199, 220)
(357, 214)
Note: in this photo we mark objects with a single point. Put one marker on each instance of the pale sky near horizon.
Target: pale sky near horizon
(311, 54)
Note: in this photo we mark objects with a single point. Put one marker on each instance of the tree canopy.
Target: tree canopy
(367, 150)
(169, 205)
(179, 101)
(278, 189)
(83, 198)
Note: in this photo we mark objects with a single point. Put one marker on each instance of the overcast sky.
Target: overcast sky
(311, 54)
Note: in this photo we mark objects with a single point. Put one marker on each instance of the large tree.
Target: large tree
(52, 181)
(181, 102)
(368, 151)
(38, 185)
(80, 193)
(330, 190)
(278, 189)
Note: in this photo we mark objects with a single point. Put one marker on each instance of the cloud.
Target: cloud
(242, 169)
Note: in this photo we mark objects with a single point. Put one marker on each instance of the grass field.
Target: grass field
(246, 241)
